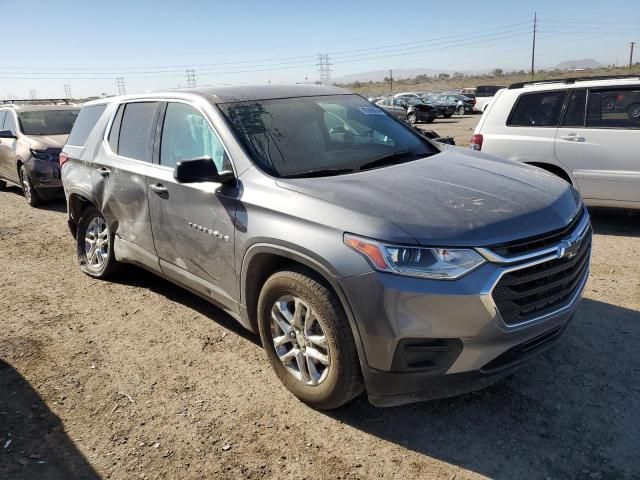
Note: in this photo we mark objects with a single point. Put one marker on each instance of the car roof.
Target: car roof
(564, 83)
(239, 93)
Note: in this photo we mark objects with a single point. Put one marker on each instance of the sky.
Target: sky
(150, 44)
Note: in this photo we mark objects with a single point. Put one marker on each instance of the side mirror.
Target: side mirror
(200, 170)
(7, 134)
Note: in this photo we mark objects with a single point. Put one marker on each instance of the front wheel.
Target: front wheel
(460, 110)
(30, 193)
(95, 245)
(307, 339)
(634, 112)
(413, 119)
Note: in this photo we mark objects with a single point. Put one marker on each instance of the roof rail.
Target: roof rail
(54, 101)
(571, 80)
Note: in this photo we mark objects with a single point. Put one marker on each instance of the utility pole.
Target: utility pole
(631, 55)
(324, 68)
(391, 80)
(33, 94)
(191, 77)
(533, 46)
(67, 91)
(120, 85)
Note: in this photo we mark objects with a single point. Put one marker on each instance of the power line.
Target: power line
(120, 85)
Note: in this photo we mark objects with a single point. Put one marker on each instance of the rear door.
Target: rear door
(119, 179)
(599, 140)
(193, 224)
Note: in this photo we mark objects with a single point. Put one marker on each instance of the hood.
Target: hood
(455, 198)
(42, 142)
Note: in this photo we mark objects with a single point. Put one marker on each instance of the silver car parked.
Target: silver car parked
(366, 256)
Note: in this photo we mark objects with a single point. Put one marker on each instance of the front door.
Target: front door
(601, 150)
(193, 224)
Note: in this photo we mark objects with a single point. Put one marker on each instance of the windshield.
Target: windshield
(321, 135)
(47, 122)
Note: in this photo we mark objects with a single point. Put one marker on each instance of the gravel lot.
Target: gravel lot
(140, 379)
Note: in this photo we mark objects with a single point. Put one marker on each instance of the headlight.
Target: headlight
(40, 154)
(435, 263)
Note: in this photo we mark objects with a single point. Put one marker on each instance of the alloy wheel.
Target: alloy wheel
(299, 340)
(26, 185)
(96, 243)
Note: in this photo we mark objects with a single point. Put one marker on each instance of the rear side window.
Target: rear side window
(575, 109)
(615, 108)
(136, 130)
(115, 129)
(2, 115)
(538, 109)
(87, 119)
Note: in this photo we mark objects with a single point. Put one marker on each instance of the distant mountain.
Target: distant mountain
(575, 64)
(380, 75)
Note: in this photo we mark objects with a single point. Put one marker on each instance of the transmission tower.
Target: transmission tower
(324, 67)
(33, 94)
(191, 78)
(120, 85)
(67, 91)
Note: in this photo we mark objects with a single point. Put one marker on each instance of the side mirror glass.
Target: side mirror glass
(200, 170)
(7, 134)
(338, 129)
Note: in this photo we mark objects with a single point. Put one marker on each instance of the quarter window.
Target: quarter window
(538, 109)
(3, 114)
(87, 119)
(10, 123)
(186, 134)
(614, 108)
(136, 130)
(114, 134)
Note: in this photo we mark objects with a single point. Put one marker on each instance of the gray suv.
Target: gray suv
(366, 256)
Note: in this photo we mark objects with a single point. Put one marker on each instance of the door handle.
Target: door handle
(104, 171)
(159, 189)
(572, 137)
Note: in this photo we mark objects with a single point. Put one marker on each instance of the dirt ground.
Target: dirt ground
(140, 379)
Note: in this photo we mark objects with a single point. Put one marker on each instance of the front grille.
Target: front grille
(539, 242)
(531, 292)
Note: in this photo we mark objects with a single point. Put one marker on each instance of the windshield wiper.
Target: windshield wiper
(322, 172)
(392, 158)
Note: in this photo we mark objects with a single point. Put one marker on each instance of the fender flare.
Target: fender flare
(313, 263)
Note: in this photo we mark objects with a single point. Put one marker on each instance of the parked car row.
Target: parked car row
(367, 256)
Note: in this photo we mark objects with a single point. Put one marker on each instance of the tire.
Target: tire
(448, 115)
(3, 184)
(460, 110)
(412, 118)
(430, 120)
(30, 193)
(322, 327)
(98, 262)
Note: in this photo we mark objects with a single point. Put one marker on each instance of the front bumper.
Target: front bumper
(458, 339)
(45, 177)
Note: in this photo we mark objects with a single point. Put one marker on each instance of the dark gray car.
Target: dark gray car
(366, 256)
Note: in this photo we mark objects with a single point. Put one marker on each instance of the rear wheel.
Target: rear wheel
(448, 115)
(95, 245)
(634, 112)
(3, 184)
(307, 339)
(30, 193)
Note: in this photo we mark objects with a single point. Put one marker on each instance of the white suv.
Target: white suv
(584, 130)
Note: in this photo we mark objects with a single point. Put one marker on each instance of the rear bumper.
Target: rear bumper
(389, 389)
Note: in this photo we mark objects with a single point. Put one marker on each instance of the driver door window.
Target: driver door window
(186, 135)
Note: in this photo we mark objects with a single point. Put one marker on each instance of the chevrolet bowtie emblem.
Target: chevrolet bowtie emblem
(568, 248)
